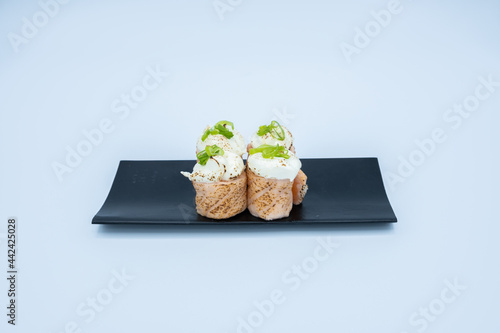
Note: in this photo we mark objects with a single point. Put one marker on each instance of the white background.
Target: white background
(263, 59)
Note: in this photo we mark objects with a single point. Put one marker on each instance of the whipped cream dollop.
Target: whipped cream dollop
(218, 168)
(268, 139)
(235, 145)
(277, 167)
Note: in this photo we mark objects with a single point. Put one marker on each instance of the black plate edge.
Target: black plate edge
(96, 221)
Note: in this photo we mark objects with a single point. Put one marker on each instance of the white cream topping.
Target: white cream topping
(233, 165)
(268, 139)
(218, 168)
(236, 144)
(278, 167)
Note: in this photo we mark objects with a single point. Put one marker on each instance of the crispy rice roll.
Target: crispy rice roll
(271, 172)
(220, 181)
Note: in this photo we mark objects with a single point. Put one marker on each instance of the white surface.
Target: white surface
(265, 57)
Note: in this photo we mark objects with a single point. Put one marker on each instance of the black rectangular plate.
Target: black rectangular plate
(154, 192)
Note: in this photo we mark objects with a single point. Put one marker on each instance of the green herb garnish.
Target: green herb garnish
(204, 155)
(225, 122)
(219, 128)
(274, 128)
(269, 151)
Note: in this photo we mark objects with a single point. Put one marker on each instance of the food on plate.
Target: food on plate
(220, 182)
(271, 171)
(272, 134)
(269, 186)
(224, 136)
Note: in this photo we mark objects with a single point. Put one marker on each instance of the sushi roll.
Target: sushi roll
(272, 191)
(220, 182)
(224, 136)
(272, 134)
(276, 134)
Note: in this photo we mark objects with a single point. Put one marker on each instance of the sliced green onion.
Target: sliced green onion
(225, 122)
(205, 135)
(269, 151)
(277, 131)
(263, 130)
(274, 128)
(204, 155)
(214, 150)
(224, 131)
(219, 128)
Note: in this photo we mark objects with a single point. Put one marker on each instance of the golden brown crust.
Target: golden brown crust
(221, 200)
(268, 198)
